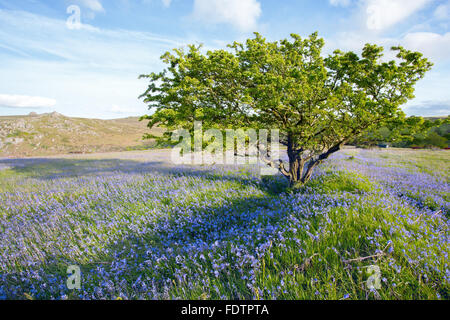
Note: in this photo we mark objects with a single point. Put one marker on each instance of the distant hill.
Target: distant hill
(54, 133)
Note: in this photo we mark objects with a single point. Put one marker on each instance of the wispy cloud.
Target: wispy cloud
(341, 3)
(432, 45)
(88, 47)
(18, 101)
(86, 70)
(382, 14)
(242, 14)
(166, 3)
(442, 12)
(429, 108)
(94, 5)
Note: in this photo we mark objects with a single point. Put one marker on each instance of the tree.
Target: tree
(435, 140)
(317, 103)
(433, 133)
(374, 137)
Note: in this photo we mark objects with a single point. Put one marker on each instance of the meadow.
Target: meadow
(142, 229)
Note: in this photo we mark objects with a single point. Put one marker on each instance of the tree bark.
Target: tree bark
(296, 164)
(301, 170)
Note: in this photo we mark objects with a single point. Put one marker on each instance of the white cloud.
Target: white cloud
(432, 45)
(242, 14)
(442, 12)
(94, 5)
(432, 91)
(342, 3)
(17, 101)
(382, 14)
(165, 3)
(431, 108)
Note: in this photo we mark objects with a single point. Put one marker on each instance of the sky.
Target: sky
(51, 60)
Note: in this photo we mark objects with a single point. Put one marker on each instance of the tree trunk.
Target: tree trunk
(301, 170)
(296, 166)
(294, 173)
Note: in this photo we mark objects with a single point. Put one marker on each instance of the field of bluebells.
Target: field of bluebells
(145, 230)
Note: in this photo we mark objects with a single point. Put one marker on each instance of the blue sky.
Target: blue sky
(92, 71)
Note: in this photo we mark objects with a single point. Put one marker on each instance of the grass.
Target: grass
(19, 134)
(331, 182)
(140, 230)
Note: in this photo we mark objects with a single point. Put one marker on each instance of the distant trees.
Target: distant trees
(436, 134)
(318, 103)
(434, 140)
(411, 132)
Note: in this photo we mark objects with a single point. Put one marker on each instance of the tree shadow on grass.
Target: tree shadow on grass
(59, 168)
(206, 225)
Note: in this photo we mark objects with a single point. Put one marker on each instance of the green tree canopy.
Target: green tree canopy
(318, 103)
